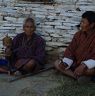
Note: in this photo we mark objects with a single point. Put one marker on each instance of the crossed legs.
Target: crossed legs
(28, 67)
(70, 73)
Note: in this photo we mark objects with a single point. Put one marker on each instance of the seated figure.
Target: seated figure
(5, 55)
(79, 57)
(28, 49)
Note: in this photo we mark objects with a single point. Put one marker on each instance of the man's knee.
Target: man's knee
(56, 64)
(30, 65)
(89, 72)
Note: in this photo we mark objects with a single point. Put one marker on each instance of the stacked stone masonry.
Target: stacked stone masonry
(56, 23)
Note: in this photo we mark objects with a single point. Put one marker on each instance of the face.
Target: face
(29, 28)
(85, 25)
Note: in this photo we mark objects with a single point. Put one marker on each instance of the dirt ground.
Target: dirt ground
(37, 85)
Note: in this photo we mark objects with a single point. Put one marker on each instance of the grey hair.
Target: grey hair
(29, 19)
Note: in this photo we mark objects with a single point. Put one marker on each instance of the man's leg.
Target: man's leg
(89, 72)
(60, 67)
(86, 76)
(31, 66)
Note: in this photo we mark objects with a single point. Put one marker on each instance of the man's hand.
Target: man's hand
(60, 65)
(80, 70)
(63, 66)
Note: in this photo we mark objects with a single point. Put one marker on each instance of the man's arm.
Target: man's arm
(70, 50)
(40, 51)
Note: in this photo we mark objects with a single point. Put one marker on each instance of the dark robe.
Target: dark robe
(25, 50)
(81, 48)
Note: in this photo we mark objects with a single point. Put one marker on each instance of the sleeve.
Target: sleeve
(69, 54)
(15, 45)
(90, 62)
(40, 51)
(15, 42)
(68, 61)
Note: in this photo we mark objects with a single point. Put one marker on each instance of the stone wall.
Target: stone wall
(56, 23)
